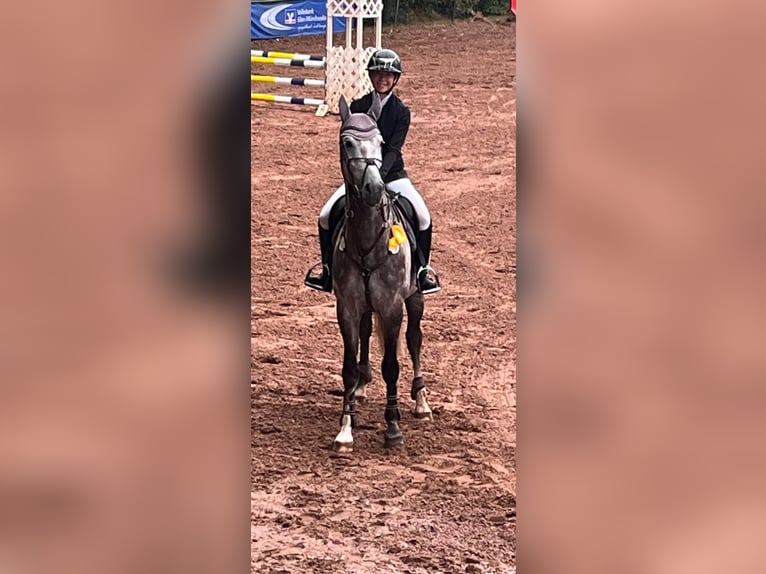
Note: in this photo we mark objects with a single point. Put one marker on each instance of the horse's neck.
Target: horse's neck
(364, 226)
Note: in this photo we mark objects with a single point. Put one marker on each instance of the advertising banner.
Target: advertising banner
(282, 19)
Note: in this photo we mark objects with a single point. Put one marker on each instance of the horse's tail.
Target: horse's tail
(378, 330)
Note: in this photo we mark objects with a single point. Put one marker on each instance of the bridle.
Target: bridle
(368, 161)
(347, 160)
(363, 134)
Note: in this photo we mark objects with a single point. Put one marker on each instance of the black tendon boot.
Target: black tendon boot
(428, 280)
(324, 281)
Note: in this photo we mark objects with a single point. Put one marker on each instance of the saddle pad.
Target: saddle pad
(404, 212)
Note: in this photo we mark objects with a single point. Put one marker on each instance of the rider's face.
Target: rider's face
(382, 81)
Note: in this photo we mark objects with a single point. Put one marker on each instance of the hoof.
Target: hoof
(422, 408)
(396, 441)
(343, 447)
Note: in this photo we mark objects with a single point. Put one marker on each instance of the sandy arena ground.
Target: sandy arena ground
(446, 502)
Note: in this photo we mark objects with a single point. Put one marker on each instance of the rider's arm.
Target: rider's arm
(392, 150)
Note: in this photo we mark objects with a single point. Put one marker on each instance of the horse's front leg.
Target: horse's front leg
(391, 327)
(415, 308)
(365, 370)
(348, 321)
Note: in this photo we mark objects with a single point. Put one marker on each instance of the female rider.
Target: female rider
(384, 68)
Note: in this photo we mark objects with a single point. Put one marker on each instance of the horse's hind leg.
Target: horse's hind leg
(415, 307)
(365, 370)
(349, 328)
(391, 328)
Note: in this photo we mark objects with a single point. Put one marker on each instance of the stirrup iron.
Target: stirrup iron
(322, 269)
(427, 269)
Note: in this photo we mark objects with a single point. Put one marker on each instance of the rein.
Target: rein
(359, 258)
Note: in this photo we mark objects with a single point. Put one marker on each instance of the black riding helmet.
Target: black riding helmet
(385, 61)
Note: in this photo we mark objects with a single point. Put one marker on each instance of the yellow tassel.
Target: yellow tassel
(398, 234)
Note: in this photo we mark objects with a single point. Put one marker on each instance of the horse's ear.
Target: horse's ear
(344, 111)
(375, 108)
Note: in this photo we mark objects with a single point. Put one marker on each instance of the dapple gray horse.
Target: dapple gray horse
(372, 276)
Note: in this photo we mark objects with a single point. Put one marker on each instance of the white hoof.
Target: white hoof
(344, 442)
(343, 448)
(422, 410)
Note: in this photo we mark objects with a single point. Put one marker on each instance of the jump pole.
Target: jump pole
(287, 99)
(291, 81)
(287, 62)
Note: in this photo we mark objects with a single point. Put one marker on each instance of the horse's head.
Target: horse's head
(361, 153)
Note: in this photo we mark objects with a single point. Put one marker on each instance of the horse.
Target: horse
(373, 273)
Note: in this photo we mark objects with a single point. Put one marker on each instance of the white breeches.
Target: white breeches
(402, 186)
(324, 215)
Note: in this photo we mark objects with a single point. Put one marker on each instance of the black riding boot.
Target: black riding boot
(324, 281)
(428, 280)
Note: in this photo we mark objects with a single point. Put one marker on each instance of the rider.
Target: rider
(384, 69)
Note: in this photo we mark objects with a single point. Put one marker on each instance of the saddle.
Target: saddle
(404, 213)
